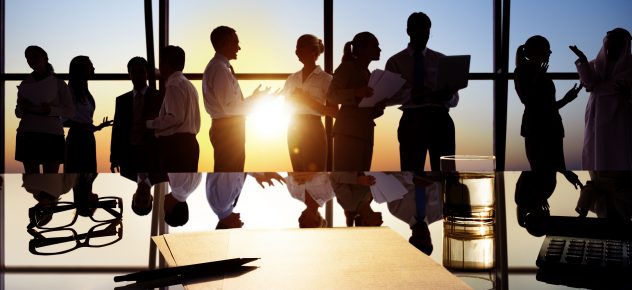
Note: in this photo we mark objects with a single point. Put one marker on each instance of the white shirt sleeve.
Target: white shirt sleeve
(222, 189)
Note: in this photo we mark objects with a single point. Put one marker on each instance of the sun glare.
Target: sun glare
(270, 117)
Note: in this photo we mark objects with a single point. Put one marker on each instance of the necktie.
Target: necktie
(420, 202)
(231, 69)
(419, 72)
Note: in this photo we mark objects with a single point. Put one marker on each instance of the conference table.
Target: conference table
(500, 255)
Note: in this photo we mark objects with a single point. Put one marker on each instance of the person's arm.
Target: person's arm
(340, 91)
(174, 108)
(115, 141)
(526, 82)
(404, 92)
(221, 191)
(66, 107)
(587, 75)
(569, 97)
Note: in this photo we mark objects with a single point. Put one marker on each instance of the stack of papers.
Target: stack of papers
(386, 188)
(385, 84)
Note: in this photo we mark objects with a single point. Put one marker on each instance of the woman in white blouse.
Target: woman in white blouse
(307, 88)
(42, 100)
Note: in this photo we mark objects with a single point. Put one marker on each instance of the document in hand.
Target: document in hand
(386, 188)
(453, 71)
(385, 84)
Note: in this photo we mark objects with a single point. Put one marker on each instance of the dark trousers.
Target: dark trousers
(81, 151)
(421, 130)
(352, 154)
(228, 137)
(307, 143)
(545, 153)
(179, 153)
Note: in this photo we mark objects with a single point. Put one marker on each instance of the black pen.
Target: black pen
(215, 267)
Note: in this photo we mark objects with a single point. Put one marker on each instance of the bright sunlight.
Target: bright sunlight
(270, 117)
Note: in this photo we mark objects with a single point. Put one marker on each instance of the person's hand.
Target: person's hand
(363, 92)
(580, 54)
(573, 179)
(105, 123)
(572, 93)
(258, 92)
(268, 177)
(366, 180)
(115, 168)
(543, 68)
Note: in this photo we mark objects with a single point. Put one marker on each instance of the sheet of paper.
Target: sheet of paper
(385, 84)
(453, 71)
(338, 258)
(387, 188)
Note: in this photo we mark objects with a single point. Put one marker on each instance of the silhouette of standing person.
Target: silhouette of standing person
(226, 104)
(425, 125)
(542, 126)
(307, 88)
(178, 120)
(42, 100)
(608, 128)
(133, 148)
(81, 148)
(354, 126)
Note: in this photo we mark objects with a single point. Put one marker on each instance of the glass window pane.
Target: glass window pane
(109, 32)
(473, 121)
(458, 27)
(267, 31)
(566, 22)
(572, 117)
(104, 92)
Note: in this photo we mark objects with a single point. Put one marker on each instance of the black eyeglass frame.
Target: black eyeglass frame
(115, 227)
(108, 203)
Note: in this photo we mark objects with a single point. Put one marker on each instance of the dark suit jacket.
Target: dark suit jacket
(121, 148)
(352, 120)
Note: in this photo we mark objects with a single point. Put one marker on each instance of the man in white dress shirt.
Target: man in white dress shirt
(225, 103)
(179, 118)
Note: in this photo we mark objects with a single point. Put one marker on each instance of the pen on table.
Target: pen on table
(209, 267)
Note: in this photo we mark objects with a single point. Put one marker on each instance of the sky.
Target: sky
(111, 32)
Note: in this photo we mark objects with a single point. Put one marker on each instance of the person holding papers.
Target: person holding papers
(307, 88)
(354, 126)
(425, 125)
(42, 100)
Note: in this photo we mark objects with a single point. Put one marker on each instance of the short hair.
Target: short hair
(137, 60)
(418, 19)
(311, 40)
(174, 56)
(219, 35)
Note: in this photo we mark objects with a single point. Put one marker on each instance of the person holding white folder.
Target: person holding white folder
(425, 124)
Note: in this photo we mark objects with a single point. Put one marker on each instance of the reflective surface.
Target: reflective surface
(273, 207)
